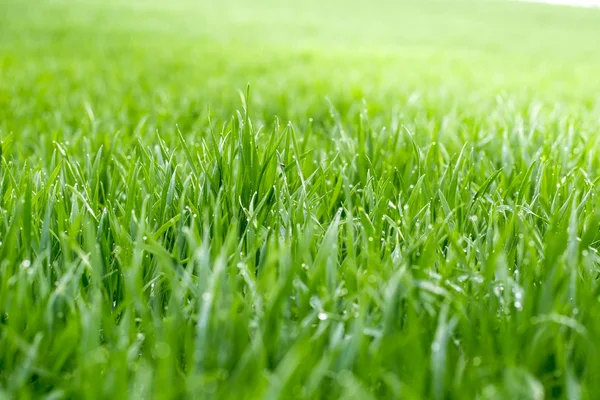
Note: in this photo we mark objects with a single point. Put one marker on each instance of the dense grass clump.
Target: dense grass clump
(403, 211)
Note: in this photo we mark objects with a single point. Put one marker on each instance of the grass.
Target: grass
(403, 203)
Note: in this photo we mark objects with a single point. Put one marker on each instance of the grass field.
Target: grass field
(313, 199)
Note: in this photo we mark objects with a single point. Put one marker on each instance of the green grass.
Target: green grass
(403, 204)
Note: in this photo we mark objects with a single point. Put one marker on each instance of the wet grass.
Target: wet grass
(402, 204)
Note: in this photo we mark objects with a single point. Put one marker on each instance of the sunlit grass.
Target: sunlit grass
(403, 203)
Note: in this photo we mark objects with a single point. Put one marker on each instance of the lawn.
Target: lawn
(315, 199)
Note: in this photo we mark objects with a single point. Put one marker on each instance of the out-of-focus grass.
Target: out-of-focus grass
(426, 225)
(170, 60)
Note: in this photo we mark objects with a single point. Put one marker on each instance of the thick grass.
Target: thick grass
(426, 225)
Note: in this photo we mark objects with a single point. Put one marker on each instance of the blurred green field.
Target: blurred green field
(170, 61)
(313, 199)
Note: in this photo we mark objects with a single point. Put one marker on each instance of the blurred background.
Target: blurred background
(108, 65)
